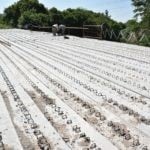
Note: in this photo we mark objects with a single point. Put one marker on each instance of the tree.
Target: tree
(80, 16)
(1, 19)
(32, 5)
(55, 16)
(26, 12)
(142, 9)
(15, 11)
(11, 15)
(37, 19)
(76, 17)
(132, 25)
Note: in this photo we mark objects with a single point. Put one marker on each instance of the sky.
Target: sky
(120, 10)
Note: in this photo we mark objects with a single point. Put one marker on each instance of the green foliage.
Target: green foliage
(132, 25)
(80, 16)
(3, 25)
(142, 9)
(32, 5)
(139, 30)
(26, 12)
(11, 15)
(117, 27)
(55, 16)
(33, 18)
(15, 11)
(75, 17)
(32, 12)
(1, 19)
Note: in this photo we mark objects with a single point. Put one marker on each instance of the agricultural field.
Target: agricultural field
(72, 94)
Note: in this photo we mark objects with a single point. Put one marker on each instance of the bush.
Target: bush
(37, 19)
(3, 25)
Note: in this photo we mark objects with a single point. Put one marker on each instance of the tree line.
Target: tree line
(32, 12)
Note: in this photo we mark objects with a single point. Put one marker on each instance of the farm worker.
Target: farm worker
(61, 29)
(55, 29)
